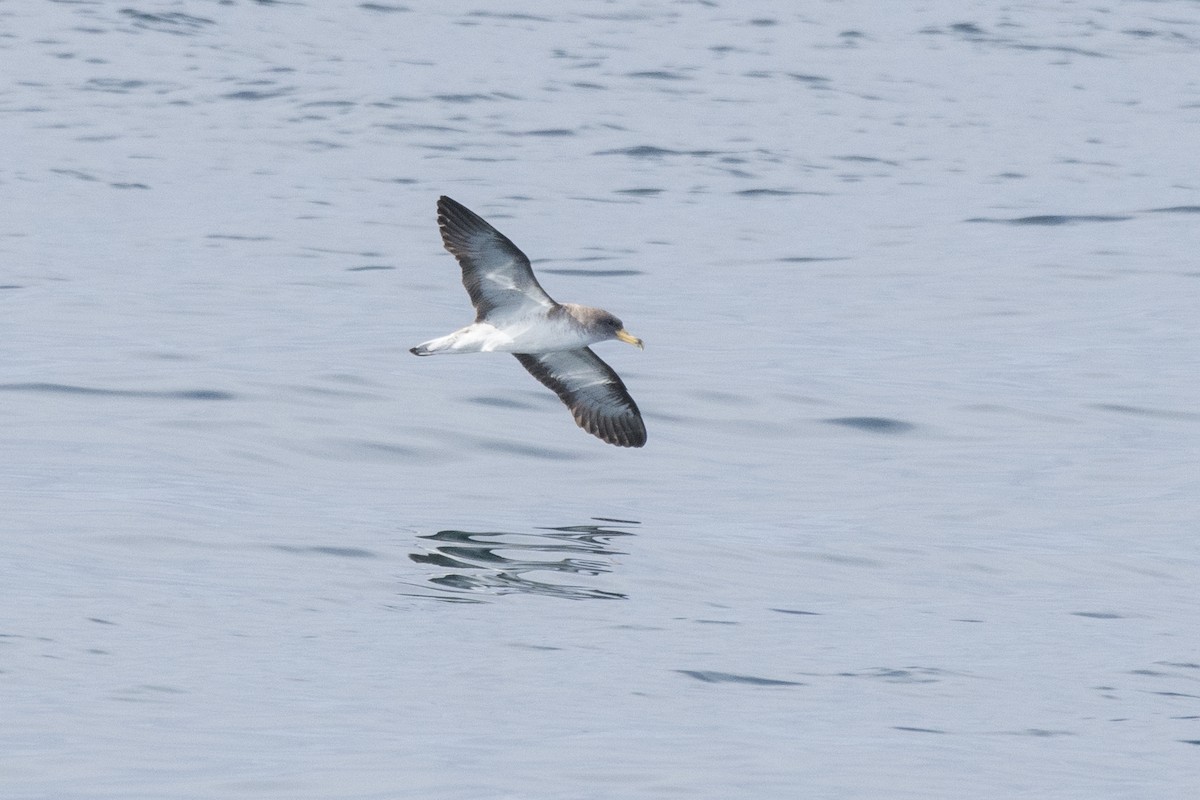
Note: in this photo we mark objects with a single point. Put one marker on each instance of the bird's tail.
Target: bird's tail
(471, 339)
(441, 344)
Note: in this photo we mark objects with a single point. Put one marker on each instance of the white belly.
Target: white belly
(513, 336)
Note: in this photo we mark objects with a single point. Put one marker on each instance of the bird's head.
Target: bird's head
(614, 329)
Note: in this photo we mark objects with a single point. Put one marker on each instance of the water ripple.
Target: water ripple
(60, 388)
(1142, 411)
(326, 550)
(1177, 210)
(1054, 219)
(383, 7)
(166, 22)
(709, 676)
(595, 273)
(873, 424)
(650, 151)
(504, 562)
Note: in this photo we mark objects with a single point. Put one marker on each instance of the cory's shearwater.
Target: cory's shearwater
(513, 314)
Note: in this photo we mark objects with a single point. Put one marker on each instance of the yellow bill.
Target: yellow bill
(629, 338)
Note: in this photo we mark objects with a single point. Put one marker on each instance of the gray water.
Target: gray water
(918, 512)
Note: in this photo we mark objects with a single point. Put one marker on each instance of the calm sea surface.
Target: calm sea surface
(918, 516)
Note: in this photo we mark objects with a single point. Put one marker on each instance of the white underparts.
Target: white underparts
(533, 335)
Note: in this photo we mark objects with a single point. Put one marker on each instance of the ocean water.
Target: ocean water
(918, 513)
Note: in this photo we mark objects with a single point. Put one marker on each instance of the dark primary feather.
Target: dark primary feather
(591, 389)
(496, 273)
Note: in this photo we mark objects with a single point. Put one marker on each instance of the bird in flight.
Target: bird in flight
(513, 314)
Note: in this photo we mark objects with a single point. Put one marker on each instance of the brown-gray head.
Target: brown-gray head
(600, 325)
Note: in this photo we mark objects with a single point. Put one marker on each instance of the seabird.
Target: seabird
(513, 314)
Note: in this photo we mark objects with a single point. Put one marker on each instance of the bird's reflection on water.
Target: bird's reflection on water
(510, 562)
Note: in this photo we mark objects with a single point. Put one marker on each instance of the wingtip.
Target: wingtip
(637, 439)
(628, 432)
(450, 212)
(631, 442)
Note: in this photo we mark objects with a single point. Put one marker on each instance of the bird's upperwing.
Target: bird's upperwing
(591, 389)
(497, 275)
